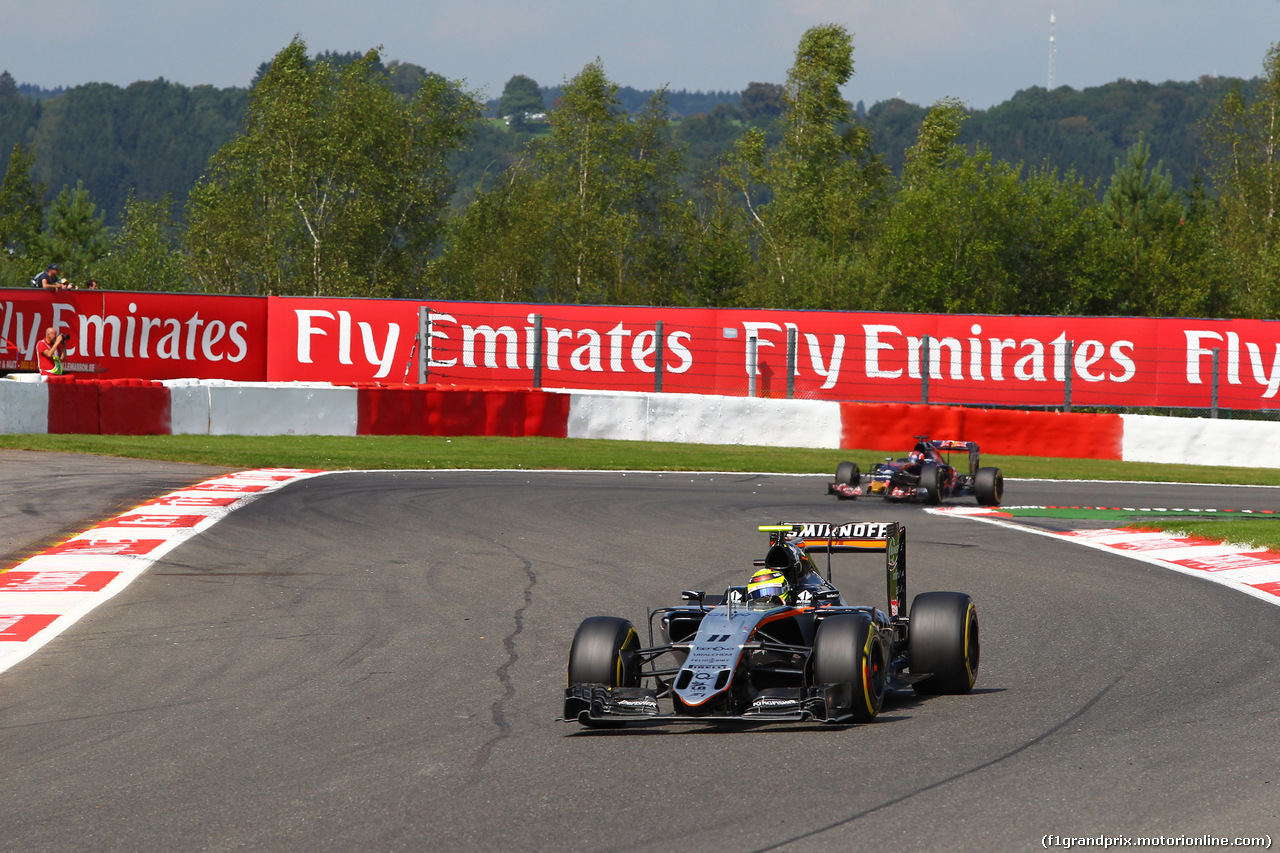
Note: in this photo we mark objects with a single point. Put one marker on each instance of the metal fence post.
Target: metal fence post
(424, 343)
(537, 350)
(751, 366)
(1213, 400)
(1066, 401)
(924, 370)
(791, 363)
(657, 357)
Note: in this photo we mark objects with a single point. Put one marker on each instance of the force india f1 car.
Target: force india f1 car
(809, 657)
(924, 474)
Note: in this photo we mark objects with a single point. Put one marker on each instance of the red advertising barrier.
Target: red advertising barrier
(1007, 433)
(864, 356)
(459, 411)
(874, 357)
(139, 335)
(73, 406)
(133, 407)
(111, 407)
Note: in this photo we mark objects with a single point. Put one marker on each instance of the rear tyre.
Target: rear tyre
(943, 640)
(931, 483)
(848, 650)
(988, 486)
(848, 474)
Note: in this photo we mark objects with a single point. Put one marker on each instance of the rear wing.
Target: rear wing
(949, 445)
(853, 537)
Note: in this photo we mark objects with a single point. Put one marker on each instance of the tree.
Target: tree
(813, 201)
(762, 102)
(1141, 201)
(719, 247)
(520, 99)
(1244, 163)
(590, 212)
(1147, 216)
(75, 233)
(146, 253)
(337, 186)
(21, 216)
(966, 234)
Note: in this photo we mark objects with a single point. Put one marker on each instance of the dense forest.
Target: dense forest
(154, 139)
(1128, 198)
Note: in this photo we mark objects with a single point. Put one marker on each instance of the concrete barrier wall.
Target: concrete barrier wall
(28, 404)
(24, 407)
(188, 407)
(704, 419)
(271, 408)
(1202, 441)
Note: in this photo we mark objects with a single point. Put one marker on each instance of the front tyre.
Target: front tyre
(988, 486)
(848, 474)
(603, 652)
(847, 650)
(943, 640)
(931, 483)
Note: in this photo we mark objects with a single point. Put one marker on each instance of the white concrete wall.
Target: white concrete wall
(1201, 441)
(704, 419)
(282, 408)
(24, 406)
(188, 407)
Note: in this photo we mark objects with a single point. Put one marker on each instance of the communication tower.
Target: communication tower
(1053, 47)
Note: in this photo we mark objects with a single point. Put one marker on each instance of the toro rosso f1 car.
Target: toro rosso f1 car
(925, 474)
(804, 654)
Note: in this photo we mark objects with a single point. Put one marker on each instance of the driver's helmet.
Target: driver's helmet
(767, 584)
(915, 456)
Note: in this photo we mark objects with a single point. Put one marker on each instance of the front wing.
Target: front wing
(596, 703)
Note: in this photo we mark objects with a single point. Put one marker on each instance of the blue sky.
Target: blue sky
(920, 50)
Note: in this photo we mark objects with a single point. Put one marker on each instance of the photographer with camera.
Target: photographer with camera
(50, 352)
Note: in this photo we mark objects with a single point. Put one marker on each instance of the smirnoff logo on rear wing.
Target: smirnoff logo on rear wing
(850, 530)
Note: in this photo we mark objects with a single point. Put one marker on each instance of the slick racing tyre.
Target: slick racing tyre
(988, 486)
(931, 483)
(847, 650)
(603, 652)
(942, 639)
(848, 474)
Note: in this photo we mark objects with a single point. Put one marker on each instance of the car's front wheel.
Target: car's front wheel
(931, 483)
(848, 474)
(603, 652)
(847, 650)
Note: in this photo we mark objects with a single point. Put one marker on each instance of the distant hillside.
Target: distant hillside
(156, 137)
(679, 103)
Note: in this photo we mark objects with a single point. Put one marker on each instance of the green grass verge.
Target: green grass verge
(1258, 532)
(409, 451)
(377, 452)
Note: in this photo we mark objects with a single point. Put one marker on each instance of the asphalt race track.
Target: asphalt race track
(375, 661)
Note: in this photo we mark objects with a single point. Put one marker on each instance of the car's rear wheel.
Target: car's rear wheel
(988, 486)
(847, 650)
(943, 640)
(848, 474)
(931, 483)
